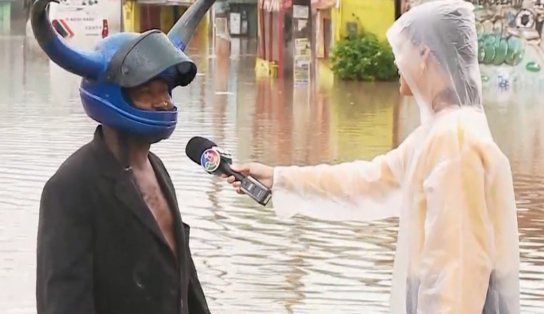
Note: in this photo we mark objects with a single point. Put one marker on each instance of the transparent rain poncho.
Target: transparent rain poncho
(448, 182)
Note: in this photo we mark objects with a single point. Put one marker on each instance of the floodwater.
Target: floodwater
(248, 260)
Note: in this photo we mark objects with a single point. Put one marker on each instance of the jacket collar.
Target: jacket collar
(128, 194)
(111, 167)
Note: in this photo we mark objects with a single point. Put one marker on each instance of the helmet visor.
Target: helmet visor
(149, 56)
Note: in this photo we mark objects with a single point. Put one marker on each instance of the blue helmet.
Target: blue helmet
(125, 60)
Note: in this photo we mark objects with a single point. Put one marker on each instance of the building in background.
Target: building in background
(143, 15)
(330, 21)
(5, 17)
(323, 30)
(371, 15)
(510, 42)
(273, 18)
(12, 17)
(285, 44)
(242, 18)
(83, 23)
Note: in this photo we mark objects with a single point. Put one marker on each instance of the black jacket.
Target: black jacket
(100, 250)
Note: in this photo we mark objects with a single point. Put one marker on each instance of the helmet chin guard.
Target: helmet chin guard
(125, 60)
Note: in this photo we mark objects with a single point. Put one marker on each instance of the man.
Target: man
(110, 235)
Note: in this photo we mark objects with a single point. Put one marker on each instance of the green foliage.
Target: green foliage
(363, 57)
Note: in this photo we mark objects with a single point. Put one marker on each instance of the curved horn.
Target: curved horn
(183, 30)
(82, 63)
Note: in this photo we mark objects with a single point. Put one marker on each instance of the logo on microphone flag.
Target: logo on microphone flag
(210, 160)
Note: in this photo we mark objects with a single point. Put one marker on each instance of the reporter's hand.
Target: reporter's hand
(261, 172)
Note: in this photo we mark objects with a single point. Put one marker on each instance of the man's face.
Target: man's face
(152, 96)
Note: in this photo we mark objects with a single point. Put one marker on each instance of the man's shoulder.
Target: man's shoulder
(157, 160)
(75, 168)
(161, 167)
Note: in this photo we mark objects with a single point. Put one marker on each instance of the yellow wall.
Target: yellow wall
(167, 18)
(131, 17)
(375, 16)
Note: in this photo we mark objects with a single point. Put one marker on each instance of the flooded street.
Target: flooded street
(250, 261)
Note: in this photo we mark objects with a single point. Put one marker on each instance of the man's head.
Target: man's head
(128, 79)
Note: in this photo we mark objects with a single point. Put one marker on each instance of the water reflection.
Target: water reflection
(250, 261)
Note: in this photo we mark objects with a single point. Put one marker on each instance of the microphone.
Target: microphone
(217, 161)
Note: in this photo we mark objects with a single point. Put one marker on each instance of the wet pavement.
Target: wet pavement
(248, 260)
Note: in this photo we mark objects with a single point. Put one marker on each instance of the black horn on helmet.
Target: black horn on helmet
(183, 30)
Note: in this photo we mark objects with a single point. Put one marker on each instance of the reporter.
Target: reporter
(448, 182)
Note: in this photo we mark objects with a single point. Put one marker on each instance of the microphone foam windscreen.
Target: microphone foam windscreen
(196, 147)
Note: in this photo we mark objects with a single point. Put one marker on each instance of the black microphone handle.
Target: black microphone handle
(226, 169)
(248, 184)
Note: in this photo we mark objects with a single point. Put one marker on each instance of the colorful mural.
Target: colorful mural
(511, 41)
(510, 37)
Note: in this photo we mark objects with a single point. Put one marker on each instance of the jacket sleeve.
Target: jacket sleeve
(64, 283)
(359, 190)
(196, 298)
(456, 261)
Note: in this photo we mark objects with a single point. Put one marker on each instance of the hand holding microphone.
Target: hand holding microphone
(261, 172)
(253, 179)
